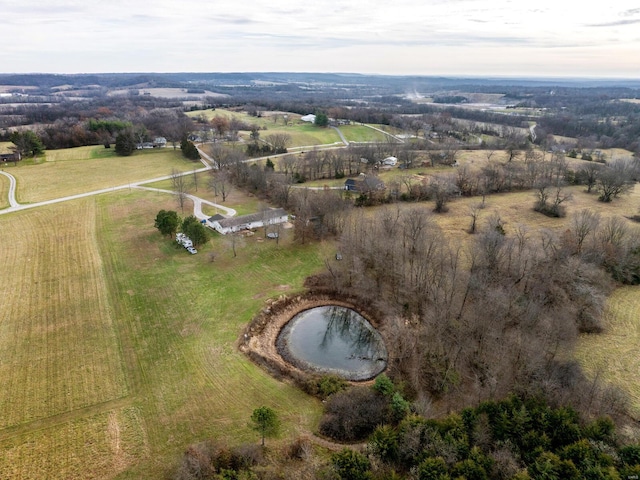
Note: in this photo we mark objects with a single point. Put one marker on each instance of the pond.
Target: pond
(333, 340)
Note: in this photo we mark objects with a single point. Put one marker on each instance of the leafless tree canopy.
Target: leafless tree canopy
(472, 324)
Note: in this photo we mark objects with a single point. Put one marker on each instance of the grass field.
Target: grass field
(613, 355)
(5, 147)
(302, 134)
(116, 347)
(4, 192)
(362, 133)
(83, 169)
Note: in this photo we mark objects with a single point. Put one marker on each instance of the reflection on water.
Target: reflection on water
(333, 339)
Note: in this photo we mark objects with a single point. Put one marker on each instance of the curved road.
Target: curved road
(12, 189)
(197, 202)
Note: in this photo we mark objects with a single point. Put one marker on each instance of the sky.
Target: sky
(547, 38)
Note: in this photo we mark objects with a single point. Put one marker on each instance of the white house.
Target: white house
(311, 118)
(249, 222)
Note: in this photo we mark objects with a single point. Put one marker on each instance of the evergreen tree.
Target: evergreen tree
(189, 149)
(321, 119)
(167, 222)
(27, 143)
(125, 143)
(193, 229)
(265, 421)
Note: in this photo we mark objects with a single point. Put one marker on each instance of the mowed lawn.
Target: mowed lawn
(84, 169)
(4, 191)
(301, 134)
(118, 348)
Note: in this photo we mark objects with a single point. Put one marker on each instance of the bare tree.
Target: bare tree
(474, 213)
(589, 173)
(615, 180)
(195, 179)
(583, 224)
(442, 189)
(279, 141)
(550, 198)
(220, 183)
(179, 185)
(613, 232)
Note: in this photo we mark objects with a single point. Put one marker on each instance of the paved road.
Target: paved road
(12, 189)
(344, 140)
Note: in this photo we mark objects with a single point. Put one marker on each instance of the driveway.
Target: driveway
(12, 189)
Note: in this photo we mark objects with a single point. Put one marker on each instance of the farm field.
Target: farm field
(613, 355)
(65, 172)
(117, 349)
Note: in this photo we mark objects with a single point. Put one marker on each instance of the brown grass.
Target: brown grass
(613, 355)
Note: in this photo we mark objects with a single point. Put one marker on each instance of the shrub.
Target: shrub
(325, 385)
(384, 443)
(350, 465)
(353, 414)
(300, 449)
(433, 469)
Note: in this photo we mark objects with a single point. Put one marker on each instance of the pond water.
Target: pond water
(333, 339)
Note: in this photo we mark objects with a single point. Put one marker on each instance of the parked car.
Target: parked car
(192, 250)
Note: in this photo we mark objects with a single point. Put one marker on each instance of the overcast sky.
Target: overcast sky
(423, 37)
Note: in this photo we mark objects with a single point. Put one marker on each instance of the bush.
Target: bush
(325, 385)
(353, 414)
(350, 465)
(300, 449)
(433, 469)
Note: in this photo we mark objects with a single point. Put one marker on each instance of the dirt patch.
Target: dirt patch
(258, 341)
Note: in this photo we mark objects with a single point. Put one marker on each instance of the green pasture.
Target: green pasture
(362, 133)
(302, 134)
(120, 349)
(84, 169)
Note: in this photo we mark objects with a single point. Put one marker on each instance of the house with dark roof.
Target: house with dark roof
(364, 184)
(272, 216)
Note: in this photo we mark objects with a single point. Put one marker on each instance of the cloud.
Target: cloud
(615, 23)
